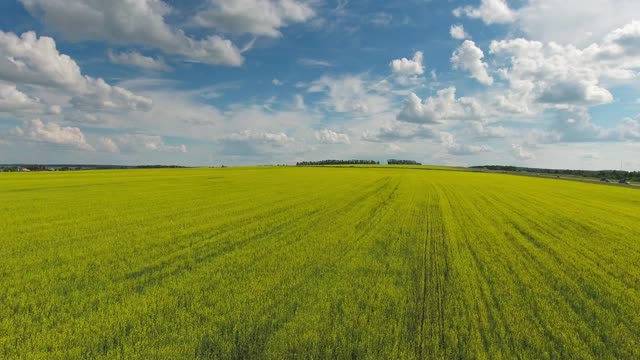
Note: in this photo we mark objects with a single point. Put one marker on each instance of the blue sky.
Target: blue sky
(548, 83)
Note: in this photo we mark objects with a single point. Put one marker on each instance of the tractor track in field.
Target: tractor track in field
(423, 303)
(432, 268)
(311, 277)
(519, 237)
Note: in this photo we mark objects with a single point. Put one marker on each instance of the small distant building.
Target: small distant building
(22, 169)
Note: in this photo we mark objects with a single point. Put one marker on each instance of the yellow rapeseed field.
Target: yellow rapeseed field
(323, 263)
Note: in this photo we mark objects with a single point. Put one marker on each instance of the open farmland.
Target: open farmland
(282, 262)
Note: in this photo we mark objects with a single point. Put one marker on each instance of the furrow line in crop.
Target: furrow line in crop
(560, 278)
(290, 281)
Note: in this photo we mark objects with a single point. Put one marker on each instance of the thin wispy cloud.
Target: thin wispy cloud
(314, 62)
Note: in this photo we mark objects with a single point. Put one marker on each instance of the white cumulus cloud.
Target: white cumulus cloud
(577, 22)
(52, 133)
(458, 32)
(443, 106)
(260, 137)
(257, 143)
(408, 67)
(350, 93)
(12, 99)
(479, 130)
(489, 11)
(399, 131)
(138, 143)
(469, 57)
(258, 17)
(564, 74)
(327, 136)
(28, 59)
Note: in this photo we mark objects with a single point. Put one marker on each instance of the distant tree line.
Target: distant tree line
(608, 174)
(402, 162)
(158, 167)
(337, 162)
(18, 168)
(32, 167)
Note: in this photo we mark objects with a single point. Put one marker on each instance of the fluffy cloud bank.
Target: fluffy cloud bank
(400, 131)
(578, 22)
(351, 94)
(33, 60)
(140, 22)
(560, 74)
(327, 136)
(137, 143)
(278, 139)
(443, 106)
(257, 143)
(52, 133)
